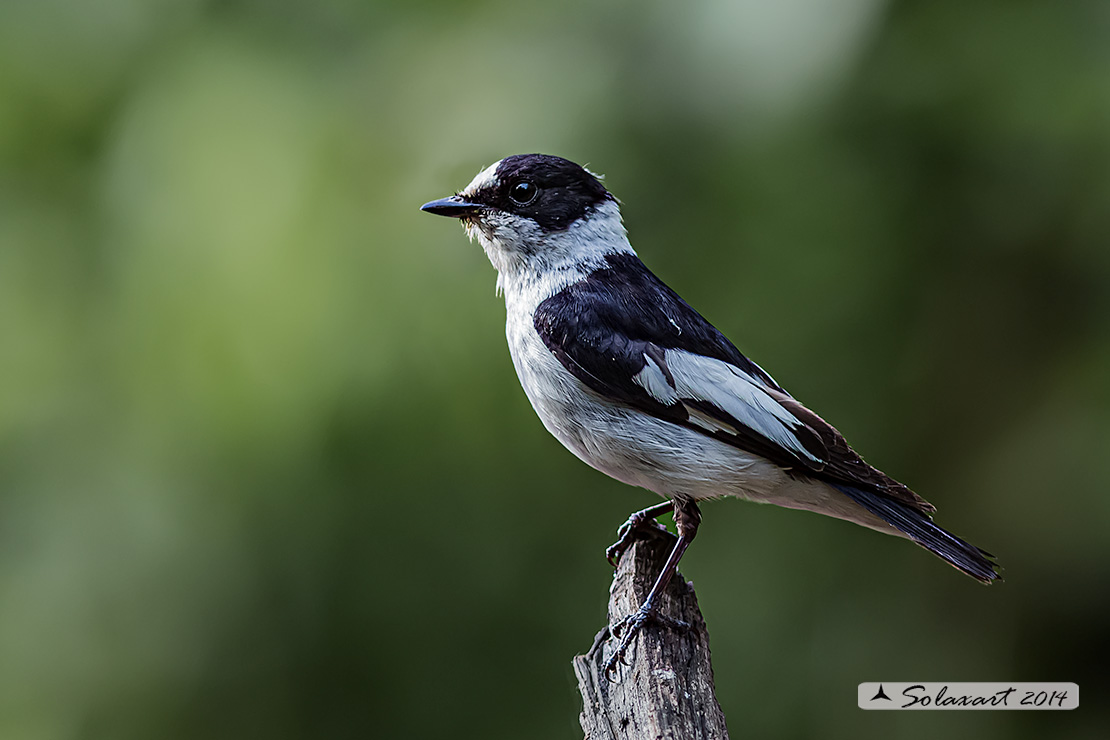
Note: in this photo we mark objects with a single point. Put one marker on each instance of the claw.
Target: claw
(613, 554)
(626, 629)
(626, 533)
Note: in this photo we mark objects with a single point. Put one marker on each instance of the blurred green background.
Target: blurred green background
(265, 468)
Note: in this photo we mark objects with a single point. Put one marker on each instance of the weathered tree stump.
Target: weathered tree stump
(666, 691)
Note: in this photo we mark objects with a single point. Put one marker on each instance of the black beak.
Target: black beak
(455, 207)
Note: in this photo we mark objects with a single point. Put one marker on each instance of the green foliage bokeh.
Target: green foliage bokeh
(265, 468)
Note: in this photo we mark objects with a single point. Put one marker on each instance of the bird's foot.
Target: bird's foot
(627, 532)
(626, 629)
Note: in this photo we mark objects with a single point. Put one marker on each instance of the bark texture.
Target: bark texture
(667, 690)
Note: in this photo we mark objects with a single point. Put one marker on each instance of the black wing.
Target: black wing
(629, 337)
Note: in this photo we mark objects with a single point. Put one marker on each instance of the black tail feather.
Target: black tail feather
(972, 560)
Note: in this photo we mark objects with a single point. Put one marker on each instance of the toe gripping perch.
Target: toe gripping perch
(624, 630)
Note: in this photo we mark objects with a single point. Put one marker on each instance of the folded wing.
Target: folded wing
(629, 337)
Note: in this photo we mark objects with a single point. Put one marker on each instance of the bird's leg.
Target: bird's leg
(627, 531)
(686, 518)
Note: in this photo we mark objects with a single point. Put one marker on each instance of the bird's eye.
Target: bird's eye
(523, 192)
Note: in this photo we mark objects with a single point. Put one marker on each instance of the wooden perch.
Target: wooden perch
(667, 690)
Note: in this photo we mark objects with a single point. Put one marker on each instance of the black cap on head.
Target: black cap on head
(552, 191)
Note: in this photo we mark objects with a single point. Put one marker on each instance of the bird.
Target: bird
(637, 384)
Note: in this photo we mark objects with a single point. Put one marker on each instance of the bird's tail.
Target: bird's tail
(974, 561)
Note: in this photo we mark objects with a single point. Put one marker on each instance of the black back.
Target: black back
(627, 304)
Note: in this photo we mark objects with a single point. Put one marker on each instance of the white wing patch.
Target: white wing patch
(653, 380)
(728, 388)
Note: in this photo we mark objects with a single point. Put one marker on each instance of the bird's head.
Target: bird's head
(535, 213)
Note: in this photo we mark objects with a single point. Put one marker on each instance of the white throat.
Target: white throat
(533, 265)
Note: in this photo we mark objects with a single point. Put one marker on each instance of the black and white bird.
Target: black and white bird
(637, 384)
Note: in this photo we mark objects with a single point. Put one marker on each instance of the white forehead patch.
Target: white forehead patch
(487, 178)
